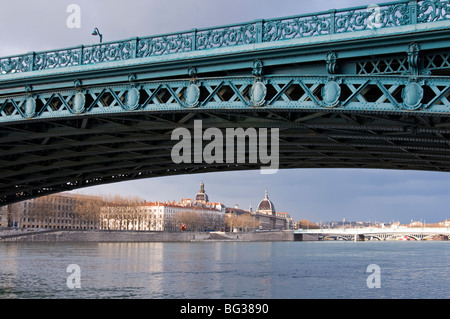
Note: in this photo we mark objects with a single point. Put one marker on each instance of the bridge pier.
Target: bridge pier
(306, 237)
(359, 237)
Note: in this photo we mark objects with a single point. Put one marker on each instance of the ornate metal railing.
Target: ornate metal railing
(385, 15)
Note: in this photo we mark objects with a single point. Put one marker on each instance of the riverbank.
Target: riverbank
(140, 236)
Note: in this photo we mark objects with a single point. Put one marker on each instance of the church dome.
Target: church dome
(266, 206)
(201, 195)
(201, 198)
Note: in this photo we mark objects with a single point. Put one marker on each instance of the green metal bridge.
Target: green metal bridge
(363, 87)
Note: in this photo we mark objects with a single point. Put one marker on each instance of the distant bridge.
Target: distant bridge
(373, 233)
(363, 87)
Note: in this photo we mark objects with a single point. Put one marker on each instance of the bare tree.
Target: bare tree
(86, 211)
(123, 211)
(191, 219)
(42, 209)
(242, 222)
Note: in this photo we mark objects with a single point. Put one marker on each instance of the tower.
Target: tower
(201, 197)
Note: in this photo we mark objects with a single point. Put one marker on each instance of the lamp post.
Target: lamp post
(97, 32)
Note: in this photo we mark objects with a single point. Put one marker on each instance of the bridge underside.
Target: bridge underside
(43, 157)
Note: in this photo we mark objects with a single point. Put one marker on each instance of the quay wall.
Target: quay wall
(142, 236)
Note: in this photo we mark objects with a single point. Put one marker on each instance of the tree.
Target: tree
(121, 212)
(191, 219)
(43, 208)
(86, 211)
(243, 222)
(306, 224)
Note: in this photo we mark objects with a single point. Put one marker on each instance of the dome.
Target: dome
(201, 198)
(201, 195)
(266, 206)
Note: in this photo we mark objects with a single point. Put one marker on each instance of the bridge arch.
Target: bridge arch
(336, 237)
(87, 119)
(397, 236)
(374, 237)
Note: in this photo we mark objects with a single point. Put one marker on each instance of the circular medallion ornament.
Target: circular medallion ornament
(192, 95)
(79, 101)
(30, 107)
(259, 91)
(132, 98)
(331, 93)
(412, 96)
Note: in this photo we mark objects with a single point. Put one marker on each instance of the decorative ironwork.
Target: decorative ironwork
(382, 66)
(361, 93)
(331, 61)
(166, 44)
(413, 58)
(413, 63)
(30, 107)
(331, 93)
(79, 102)
(56, 59)
(258, 93)
(257, 68)
(412, 96)
(437, 61)
(433, 10)
(225, 37)
(297, 27)
(335, 21)
(192, 95)
(15, 64)
(132, 97)
(107, 52)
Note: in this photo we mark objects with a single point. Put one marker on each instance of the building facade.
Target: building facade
(264, 218)
(196, 214)
(60, 211)
(73, 211)
(267, 216)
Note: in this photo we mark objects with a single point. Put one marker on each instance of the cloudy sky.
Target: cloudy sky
(317, 195)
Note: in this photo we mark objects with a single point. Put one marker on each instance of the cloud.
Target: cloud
(41, 25)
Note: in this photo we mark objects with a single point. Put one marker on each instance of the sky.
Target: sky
(313, 194)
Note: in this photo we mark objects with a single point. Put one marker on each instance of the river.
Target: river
(244, 270)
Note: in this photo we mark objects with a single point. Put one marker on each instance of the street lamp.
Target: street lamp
(97, 32)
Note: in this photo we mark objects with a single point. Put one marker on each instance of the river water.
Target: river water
(244, 270)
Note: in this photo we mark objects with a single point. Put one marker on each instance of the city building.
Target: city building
(76, 211)
(197, 214)
(445, 223)
(201, 197)
(264, 218)
(289, 220)
(59, 211)
(265, 206)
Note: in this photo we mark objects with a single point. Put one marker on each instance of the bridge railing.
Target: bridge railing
(360, 18)
(374, 230)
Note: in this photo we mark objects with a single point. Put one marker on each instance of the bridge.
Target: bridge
(362, 87)
(373, 233)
